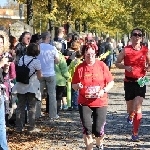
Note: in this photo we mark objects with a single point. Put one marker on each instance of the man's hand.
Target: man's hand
(148, 69)
(128, 68)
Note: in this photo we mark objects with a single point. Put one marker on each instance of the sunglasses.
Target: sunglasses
(137, 34)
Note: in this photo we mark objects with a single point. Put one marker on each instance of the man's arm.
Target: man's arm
(148, 61)
(121, 65)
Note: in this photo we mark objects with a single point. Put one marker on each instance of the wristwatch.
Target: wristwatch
(104, 90)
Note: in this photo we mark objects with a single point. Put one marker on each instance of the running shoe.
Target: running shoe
(64, 107)
(135, 138)
(101, 147)
(129, 120)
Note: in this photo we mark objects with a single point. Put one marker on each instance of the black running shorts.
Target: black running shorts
(132, 90)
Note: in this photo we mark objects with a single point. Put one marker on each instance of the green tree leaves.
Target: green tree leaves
(102, 15)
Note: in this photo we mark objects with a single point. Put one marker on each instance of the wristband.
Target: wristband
(104, 90)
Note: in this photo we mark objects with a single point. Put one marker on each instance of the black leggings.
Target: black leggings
(93, 119)
(60, 92)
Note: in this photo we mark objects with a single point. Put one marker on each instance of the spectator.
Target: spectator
(28, 93)
(71, 53)
(120, 46)
(109, 59)
(72, 67)
(62, 76)
(20, 48)
(13, 42)
(10, 73)
(4, 67)
(69, 40)
(60, 38)
(3, 140)
(36, 39)
(48, 57)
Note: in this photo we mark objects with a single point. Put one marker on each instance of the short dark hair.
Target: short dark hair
(46, 34)
(108, 39)
(78, 54)
(136, 29)
(35, 38)
(33, 49)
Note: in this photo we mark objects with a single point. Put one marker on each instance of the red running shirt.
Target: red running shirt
(97, 75)
(137, 60)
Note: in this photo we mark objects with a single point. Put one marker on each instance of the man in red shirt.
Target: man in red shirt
(135, 58)
(93, 80)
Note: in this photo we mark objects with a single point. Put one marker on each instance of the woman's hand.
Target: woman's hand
(77, 86)
(101, 93)
(80, 86)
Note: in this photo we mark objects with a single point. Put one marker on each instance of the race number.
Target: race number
(92, 92)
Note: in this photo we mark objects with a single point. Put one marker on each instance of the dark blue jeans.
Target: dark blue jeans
(109, 61)
(74, 98)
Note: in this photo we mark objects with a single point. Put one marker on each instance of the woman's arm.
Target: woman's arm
(106, 89)
(12, 72)
(109, 86)
(39, 74)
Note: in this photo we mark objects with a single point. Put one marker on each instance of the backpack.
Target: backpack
(22, 72)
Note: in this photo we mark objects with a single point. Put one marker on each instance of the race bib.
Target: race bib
(92, 92)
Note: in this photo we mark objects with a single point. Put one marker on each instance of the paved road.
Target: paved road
(65, 133)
